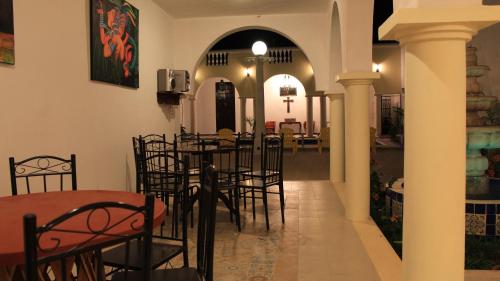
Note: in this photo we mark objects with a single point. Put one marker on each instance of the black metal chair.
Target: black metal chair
(136, 144)
(246, 159)
(164, 249)
(270, 174)
(43, 167)
(39, 252)
(227, 163)
(205, 238)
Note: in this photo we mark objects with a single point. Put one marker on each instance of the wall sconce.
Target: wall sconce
(247, 72)
(377, 67)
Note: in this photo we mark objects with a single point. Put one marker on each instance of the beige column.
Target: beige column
(357, 142)
(337, 138)
(243, 114)
(322, 109)
(435, 133)
(310, 128)
(258, 101)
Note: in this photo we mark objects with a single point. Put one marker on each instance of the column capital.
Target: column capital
(438, 23)
(332, 96)
(357, 78)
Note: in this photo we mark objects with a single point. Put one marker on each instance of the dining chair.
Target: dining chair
(270, 174)
(226, 160)
(324, 139)
(246, 160)
(138, 164)
(226, 137)
(289, 139)
(47, 171)
(43, 243)
(205, 239)
(137, 156)
(164, 247)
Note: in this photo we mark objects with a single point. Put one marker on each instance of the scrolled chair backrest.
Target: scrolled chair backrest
(45, 168)
(87, 229)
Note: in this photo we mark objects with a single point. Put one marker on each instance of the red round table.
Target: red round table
(47, 206)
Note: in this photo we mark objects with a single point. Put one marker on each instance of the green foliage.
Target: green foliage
(391, 226)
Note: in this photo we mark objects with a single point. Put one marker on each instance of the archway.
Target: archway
(202, 56)
(291, 108)
(335, 49)
(205, 106)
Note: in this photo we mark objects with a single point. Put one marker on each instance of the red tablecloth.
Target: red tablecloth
(49, 205)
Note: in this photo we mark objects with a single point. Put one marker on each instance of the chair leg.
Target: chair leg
(266, 211)
(244, 198)
(175, 218)
(167, 201)
(191, 208)
(282, 201)
(237, 208)
(253, 203)
(230, 195)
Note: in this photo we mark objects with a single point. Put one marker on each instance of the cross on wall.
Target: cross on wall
(288, 101)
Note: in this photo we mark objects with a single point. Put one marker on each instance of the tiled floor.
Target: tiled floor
(316, 243)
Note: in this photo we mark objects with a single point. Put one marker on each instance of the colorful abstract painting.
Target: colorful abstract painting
(114, 42)
(6, 32)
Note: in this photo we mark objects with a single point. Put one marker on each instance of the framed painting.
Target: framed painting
(114, 42)
(7, 32)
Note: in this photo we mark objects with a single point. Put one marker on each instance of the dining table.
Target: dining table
(49, 205)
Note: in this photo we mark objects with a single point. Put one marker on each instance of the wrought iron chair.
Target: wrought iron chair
(246, 159)
(270, 174)
(162, 250)
(39, 251)
(205, 238)
(226, 160)
(44, 167)
(136, 145)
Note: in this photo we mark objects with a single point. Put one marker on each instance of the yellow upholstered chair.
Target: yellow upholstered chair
(226, 137)
(288, 140)
(324, 139)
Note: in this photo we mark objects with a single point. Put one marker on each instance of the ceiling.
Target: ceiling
(212, 8)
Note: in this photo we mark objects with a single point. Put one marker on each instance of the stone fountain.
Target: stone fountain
(482, 132)
(482, 207)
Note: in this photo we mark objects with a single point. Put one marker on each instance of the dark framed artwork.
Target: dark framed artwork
(7, 54)
(114, 42)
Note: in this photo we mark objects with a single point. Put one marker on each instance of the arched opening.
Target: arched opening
(202, 58)
(215, 104)
(289, 108)
(231, 59)
(335, 48)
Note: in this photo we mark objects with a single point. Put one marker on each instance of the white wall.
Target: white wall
(49, 105)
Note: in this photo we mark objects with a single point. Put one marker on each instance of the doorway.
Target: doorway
(225, 106)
